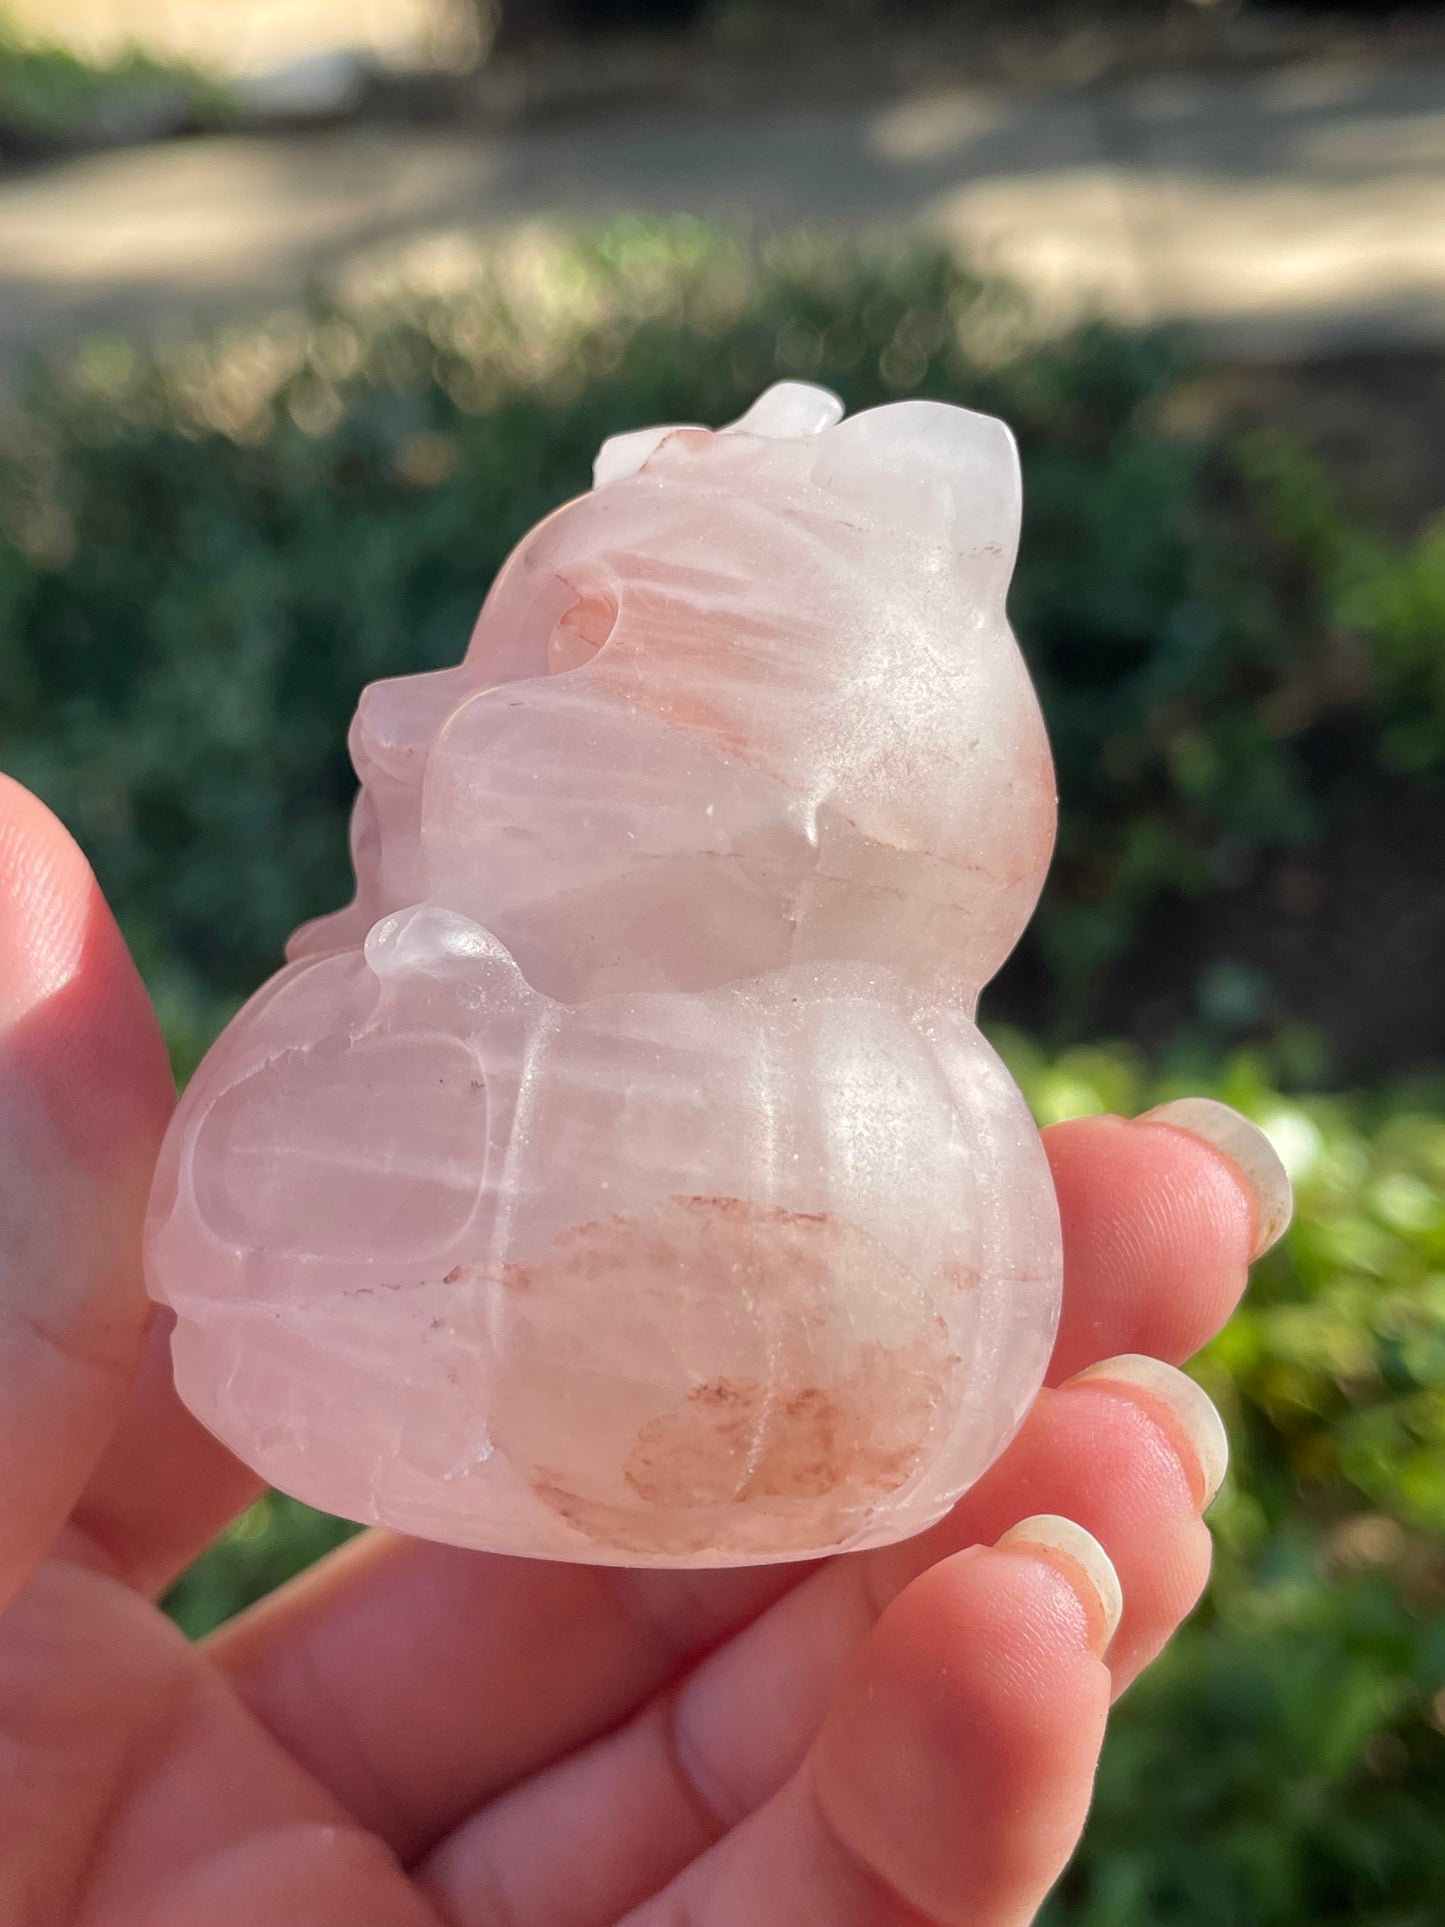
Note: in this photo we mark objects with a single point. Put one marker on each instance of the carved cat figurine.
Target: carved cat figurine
(621, 1176)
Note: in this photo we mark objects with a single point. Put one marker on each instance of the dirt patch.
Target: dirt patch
(1348, 935)
(745, 57)
(1375, 421)
(1344, 936)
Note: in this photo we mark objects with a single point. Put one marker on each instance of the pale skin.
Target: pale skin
(413, 1736)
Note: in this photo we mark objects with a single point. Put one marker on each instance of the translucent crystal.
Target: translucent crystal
(621, 1176)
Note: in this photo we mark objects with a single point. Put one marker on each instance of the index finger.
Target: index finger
(1162, 1216)
(85, 1091)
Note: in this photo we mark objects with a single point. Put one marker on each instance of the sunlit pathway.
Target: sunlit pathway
(1288, 211)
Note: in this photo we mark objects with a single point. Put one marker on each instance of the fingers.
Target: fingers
(164, 1486)
(953, 1771)
(138, 1793)
(312, 1875)
(85, 1091)
(1160, 1224)
(417, 1681)
(957, 1759)
(1133, 1452)
(88, 1415)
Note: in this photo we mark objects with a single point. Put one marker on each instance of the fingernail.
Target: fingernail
(1079, 1557)
(1247, 1149)
(1188, 1404)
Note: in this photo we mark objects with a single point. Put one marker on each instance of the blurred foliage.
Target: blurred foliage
(1284, 1763)
(270, 1543)
(1385, 606)
(203, 554)
(51, 95)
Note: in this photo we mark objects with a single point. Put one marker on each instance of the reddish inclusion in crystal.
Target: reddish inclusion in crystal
(580, 633)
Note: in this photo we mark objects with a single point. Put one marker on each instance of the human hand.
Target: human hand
(412, 1736)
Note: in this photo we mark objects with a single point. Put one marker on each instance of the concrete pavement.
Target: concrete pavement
(236, 38)
(1285, 212)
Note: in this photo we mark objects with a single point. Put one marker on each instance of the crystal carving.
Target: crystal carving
(621, 1176)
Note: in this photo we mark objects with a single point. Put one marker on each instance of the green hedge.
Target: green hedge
(51, 96)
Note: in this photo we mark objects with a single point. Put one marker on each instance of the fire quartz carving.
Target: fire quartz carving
(621, 1177)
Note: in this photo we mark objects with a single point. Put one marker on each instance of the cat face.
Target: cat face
(753, 700)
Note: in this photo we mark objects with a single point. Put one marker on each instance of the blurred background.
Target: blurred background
(308, 310)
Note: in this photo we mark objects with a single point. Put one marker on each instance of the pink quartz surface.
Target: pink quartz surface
(621, 1176)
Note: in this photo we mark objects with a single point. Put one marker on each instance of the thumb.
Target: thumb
(85, 1092)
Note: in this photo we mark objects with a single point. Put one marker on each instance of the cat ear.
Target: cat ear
(909, 450)
(623, 455)
(787, 409)
(782, 412)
